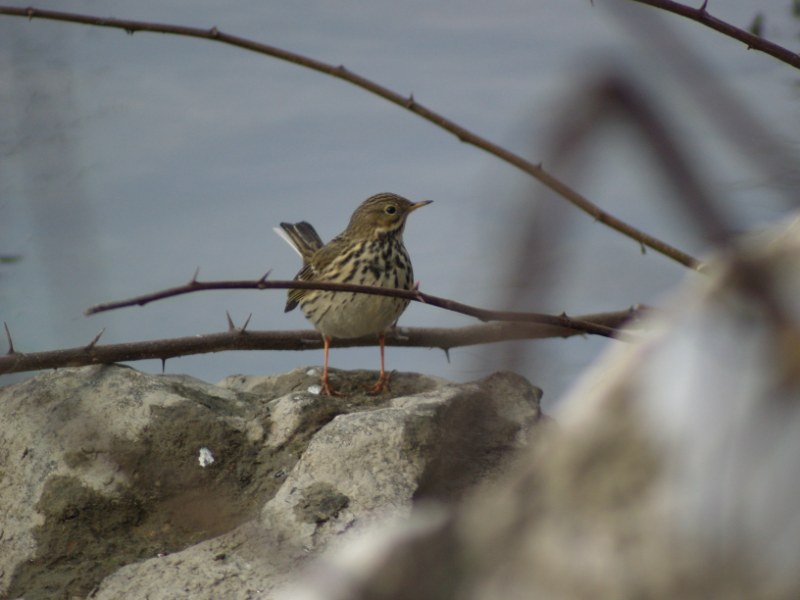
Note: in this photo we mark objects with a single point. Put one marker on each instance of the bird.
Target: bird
(370, 251)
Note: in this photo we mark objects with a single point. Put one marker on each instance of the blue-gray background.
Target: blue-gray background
(126, 162)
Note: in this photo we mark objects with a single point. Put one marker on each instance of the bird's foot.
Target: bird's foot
(382, 385)
(327, 390)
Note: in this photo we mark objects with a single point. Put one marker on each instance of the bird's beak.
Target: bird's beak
(417, 205)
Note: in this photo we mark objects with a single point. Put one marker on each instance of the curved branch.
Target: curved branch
(238, 339)
(407, 102)
(701, 15)
(483, 314)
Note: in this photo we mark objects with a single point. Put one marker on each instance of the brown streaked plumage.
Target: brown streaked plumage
(369, 252)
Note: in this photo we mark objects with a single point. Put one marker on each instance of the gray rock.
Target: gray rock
(123, 484)
(430, 445)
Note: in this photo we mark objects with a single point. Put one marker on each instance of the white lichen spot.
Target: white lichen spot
(315, 389)
(312, 372)
(206, 458)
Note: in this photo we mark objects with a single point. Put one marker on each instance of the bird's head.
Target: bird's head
(382, 213)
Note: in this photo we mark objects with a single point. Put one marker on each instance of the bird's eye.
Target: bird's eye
(390, 210)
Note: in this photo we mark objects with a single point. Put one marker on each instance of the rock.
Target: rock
(362, 467)
(101, 468)
(674, 472)
(127, 485)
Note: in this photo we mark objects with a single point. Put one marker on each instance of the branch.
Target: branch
(407, 102)
(238, 339)
(194, 285)
(752, 41)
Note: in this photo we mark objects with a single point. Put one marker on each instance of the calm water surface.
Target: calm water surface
(127, 161)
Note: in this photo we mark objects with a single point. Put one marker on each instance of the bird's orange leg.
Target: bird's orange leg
(382, 384)
(327, 390)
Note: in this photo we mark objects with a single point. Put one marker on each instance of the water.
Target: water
(126, 162)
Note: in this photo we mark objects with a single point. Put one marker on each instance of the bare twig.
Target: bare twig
(261, 284)
(407, 102)
(752, 41)
(238, 339)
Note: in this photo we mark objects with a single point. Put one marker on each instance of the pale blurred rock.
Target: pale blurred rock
(674, 472)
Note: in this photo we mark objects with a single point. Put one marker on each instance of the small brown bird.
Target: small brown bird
(369, 252)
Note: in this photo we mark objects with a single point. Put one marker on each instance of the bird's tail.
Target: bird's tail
(302, 237)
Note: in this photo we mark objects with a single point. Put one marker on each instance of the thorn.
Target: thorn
(95, 340)
(129, 31)
(642, 248)
(232, 328)
(194, 277)
(10, 341)
(163, 365)
(410, 101)
(703, 6)
(264, 277)
(447, 354)
(213, 32)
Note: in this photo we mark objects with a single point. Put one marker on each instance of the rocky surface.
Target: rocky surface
(118, 484)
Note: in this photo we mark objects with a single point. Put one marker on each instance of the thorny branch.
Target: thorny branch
(407, 102)
(507, 326)
(237, 338)
(562, 321)
(702, 16)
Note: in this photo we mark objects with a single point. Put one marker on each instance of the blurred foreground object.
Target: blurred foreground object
(674, 473)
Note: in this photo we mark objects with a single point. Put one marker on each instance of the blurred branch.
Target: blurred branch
(614, 97)
(407, 102)
(562, 321)
(752, 41)
(741, 129)
(240, 339)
